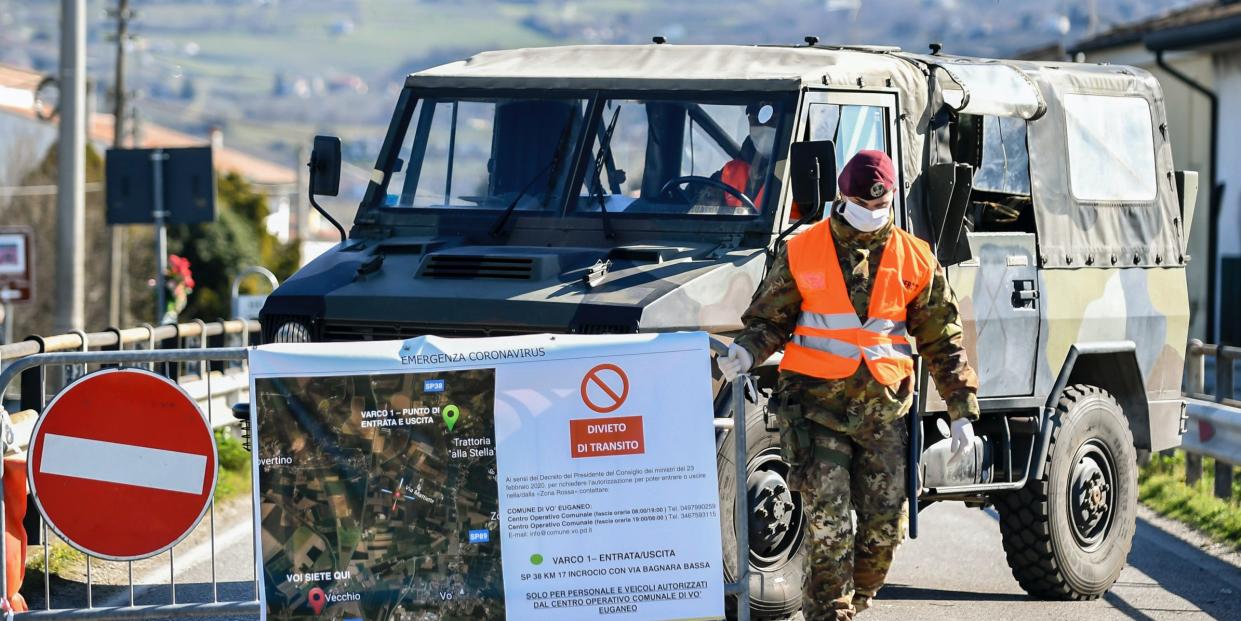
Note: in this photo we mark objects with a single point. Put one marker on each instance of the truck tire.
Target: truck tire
(1067, 534)
(776, 532)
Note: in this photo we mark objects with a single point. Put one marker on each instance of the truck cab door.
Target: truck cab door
(997, 292)
(997, 287)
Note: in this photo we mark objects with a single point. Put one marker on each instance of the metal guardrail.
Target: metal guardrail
(154, 337)
(740, 586)
(1214, 419)
(195, 334)
(203, 385)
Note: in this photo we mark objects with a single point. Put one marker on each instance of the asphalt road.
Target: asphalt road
(954, 570)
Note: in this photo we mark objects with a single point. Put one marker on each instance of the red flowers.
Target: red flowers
(179, 271)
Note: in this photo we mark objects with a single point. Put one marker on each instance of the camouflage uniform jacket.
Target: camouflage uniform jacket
(932, 318)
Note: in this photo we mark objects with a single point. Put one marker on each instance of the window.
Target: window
(1111, 148)
(704, 155)
(683, 157)
(851, 128)
(488, 153)
(626, 161)
(1005, 161)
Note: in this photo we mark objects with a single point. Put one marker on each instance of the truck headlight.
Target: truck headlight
(292, 332)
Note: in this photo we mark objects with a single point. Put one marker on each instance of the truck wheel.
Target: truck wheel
(1067, 535)
(776, 521)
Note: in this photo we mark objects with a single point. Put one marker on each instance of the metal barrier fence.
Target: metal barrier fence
(1214, 419)
(197, 333)
(740, 586)
(31, 361)
(214, 376)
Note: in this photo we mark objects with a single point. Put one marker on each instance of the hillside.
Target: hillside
(271, 73)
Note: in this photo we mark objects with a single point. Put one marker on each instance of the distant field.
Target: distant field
(240, 49)
(214, 63)
(386, 34)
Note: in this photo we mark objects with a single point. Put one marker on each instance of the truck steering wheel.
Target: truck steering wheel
(676, 182)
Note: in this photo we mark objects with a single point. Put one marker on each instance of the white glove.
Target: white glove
(962, 438)
(737, 361)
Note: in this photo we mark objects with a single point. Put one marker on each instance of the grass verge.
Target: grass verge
(232, 480)
(1161, 486)
(60, 558)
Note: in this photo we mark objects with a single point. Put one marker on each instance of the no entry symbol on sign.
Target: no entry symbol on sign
(604, 388)
(122, 464)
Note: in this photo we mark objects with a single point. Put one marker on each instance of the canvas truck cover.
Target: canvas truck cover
(1081, 224)
(1100, 156)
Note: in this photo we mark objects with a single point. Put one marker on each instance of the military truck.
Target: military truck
(628, 189)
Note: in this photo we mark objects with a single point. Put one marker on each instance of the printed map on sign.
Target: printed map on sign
(378, 496)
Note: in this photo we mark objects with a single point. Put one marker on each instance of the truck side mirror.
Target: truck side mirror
(1187, 191)
(812, 173)
(325, 166)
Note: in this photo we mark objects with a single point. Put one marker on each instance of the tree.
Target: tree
(39, 213)
(219, 250)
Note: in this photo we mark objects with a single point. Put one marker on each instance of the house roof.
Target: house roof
(1174, 29)
(17, 87)
(225, 159)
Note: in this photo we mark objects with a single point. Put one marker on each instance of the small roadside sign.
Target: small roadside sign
(16, 264)
(248, 306)
(122, 464)
(186, 183)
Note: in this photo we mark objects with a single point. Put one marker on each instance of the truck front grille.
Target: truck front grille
(461, 266)
(386, 331)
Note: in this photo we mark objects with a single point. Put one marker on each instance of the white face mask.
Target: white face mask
(764, 138)
(864, 219)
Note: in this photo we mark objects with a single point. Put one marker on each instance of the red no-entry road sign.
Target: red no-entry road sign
(122, 464)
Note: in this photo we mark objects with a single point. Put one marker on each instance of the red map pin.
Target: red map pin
(317, 599)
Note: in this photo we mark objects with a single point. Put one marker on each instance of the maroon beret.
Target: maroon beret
(868, 175)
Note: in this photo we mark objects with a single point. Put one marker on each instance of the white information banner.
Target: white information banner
(542, 477)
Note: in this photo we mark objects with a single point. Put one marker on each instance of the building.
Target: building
(1195, 52)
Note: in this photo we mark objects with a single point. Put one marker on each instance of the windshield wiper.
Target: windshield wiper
(605, 148)
(551, 169)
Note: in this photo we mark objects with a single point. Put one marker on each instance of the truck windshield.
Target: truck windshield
(487, 153)
(665, 156)
(698, 155)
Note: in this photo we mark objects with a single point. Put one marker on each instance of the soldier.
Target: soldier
(853, 288)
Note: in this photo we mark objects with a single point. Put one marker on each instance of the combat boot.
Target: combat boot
(862, 602)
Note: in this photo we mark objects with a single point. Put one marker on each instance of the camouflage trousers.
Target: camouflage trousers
(838, 473)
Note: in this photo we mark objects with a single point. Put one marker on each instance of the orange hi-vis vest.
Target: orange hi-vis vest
(737, 174)
(830, 340)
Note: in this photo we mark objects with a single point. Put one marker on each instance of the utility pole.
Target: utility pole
(71, 165)
(301, 212)
(116, 282)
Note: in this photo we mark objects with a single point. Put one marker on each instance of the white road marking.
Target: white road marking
(126, 464)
